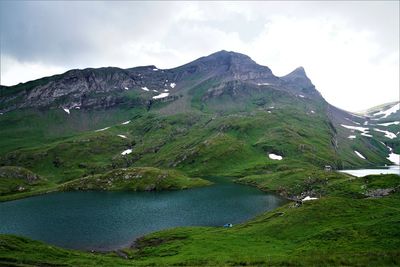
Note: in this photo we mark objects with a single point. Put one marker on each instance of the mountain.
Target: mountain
(146, 128)
(108, 87)
(221, 114)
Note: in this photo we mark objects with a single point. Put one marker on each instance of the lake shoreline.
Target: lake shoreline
(236, 180)
(220, 201)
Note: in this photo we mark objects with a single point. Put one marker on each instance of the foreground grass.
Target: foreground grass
(331, 231)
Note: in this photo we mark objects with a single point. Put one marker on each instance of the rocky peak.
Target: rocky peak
(299, 78)
(299, 72)
(230, 66)
(228, 59)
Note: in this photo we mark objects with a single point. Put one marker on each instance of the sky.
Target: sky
(350, 50)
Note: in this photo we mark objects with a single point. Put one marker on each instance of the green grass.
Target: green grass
(135, 179)
(32, 128)
(19, 251)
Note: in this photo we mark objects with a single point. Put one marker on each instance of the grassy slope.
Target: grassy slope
(32, 128)
(334, 230)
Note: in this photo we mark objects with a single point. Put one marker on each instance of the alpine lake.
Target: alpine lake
(104, 221)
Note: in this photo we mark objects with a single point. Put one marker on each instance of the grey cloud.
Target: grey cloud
(70, 32)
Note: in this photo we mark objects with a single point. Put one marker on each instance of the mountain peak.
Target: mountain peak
(298, 77)
(224, 53)
(226, 58)
(299, 71)
(231, 64)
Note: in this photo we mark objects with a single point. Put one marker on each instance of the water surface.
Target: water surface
(111, 220)
(384, 170)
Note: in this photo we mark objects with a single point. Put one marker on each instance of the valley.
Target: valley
(223, 115)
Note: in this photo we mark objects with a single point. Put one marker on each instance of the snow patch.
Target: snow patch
(155, 69)
(122, 136)
(365, 122)
(351, 137)
(302, 96)
(307, 198)
(275, 157)
(393, 157)
(361, 129)
(387, 133)
(312, 111)
(162, 95)
(66, 110)
(389, 123)
(126, 122)
(359, 154)
(259, 84)
(155, 91)
(100, 130)
(389, 111)
(126, 152)
(172, 85)
(145, 88)
(126, 88)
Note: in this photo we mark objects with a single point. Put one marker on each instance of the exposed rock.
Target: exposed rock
(379, 192)
(13, 172)
(105, 88)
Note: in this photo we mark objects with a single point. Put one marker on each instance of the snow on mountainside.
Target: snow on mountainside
(385, 111)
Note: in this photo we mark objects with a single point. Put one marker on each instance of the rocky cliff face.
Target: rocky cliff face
(108, 87)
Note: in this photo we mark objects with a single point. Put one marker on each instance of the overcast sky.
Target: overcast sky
(350, 50)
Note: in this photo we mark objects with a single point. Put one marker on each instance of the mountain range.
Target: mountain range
(221, 85)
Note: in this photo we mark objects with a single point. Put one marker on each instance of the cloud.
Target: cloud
(26, 71)
(343, 63)
(349, 50)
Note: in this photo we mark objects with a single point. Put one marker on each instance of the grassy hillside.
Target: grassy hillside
(228, 142)
(27, 128)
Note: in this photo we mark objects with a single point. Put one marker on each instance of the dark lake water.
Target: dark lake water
(111, 220)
